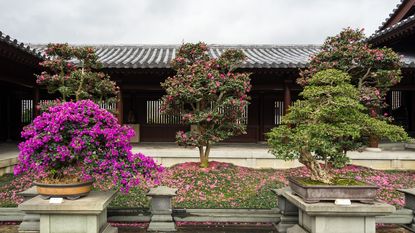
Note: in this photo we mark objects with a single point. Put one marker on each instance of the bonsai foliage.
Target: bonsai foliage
(373, 70)
(71, 72)
(208, 95)
(329, 121)
(79, 141)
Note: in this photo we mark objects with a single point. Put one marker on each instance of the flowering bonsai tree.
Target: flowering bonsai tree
(372, 70)
(328, 122)
(208, 95)
(79, 141)
(71, 72)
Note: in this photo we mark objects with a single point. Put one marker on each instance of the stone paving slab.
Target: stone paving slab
(254, 155)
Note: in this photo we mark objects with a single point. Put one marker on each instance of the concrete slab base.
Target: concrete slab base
(85, 215)
(296, 229)
(110, 229)
(162, 226)
(326, 217)
(283, 227)
(29, 227)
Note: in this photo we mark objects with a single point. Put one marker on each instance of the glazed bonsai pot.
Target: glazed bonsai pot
(365, 193)
(69, 191)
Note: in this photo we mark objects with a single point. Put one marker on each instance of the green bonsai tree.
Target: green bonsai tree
(72, 72)
(329, 121)
(372, 70)
(208, 95)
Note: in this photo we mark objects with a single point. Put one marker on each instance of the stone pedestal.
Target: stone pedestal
(30, 223)
(85, 215)
(409, 202)
(289, 212)
(326, 217)
(161, 209)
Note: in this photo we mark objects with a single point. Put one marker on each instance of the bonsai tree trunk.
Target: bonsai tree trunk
(317, 172)
(373, 141)
(204, 155)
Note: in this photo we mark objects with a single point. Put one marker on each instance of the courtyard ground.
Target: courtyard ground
(225, 185)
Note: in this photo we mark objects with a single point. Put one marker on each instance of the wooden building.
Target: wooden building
(139, 69)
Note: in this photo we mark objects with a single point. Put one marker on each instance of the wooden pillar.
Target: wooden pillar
(120, 107)
(36, 100)
(8, 119)
(287, 98)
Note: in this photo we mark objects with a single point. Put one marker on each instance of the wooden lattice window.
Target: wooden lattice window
(154, 115)
(278, 112)
(26, 111)
(396, 99)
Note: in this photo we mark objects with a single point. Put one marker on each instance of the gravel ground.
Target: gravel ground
(217, 229)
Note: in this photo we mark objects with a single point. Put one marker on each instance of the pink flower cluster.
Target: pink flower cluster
(86, 138)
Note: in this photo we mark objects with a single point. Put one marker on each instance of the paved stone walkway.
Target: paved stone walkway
(8, 150)
(255, 155)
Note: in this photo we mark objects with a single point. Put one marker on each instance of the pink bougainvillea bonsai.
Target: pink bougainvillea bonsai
(79, 141)
(208, 95)
(74, 139)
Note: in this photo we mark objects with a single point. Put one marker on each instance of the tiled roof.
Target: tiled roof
(159, 56)
(394, 11)
(408, 21)
(259, 56)
(408, 60)
(19, 45)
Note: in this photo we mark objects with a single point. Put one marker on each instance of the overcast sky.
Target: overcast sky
(175, 21)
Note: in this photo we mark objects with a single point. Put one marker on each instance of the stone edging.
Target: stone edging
(7, 165)
(401, 216)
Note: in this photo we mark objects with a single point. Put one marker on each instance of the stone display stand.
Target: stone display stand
(326, 217)
(85, 215)
(289, 212)
(161, 209)
(409, 203)
(31, 222)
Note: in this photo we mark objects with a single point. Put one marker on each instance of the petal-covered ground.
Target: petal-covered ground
(223, 185)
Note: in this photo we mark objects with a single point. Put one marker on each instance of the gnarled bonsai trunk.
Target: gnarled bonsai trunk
(373, 140)
(317, 173)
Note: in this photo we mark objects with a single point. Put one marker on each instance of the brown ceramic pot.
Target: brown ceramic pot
(69, 191)
(315, 193)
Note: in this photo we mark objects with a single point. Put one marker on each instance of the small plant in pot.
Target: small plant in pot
(74, 143)
(322, 127)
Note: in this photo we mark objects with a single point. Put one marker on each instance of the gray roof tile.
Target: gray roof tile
(407, 21)
(19, 45)
(258, 56)
(394, 11)
(159, 56)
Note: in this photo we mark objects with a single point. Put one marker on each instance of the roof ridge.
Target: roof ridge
(397, 7)
(178, 45)
(25, 47)
(394, 26)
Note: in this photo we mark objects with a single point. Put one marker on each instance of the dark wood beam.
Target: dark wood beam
(120, 107)
(287, 98)
(401, 12)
